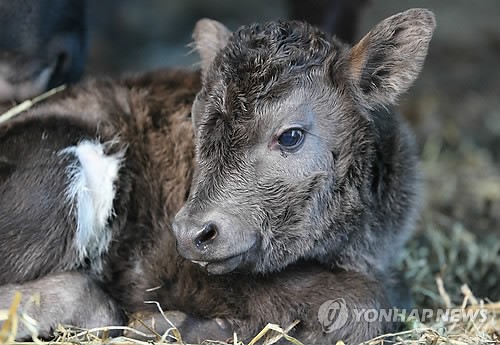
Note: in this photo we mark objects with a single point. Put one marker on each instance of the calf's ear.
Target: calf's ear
(386, 62)
(210, 37)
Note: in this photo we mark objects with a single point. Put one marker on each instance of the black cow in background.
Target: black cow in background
(339, 17)
(43, 43)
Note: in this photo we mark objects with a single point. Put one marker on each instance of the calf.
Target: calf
(298, 156)
(302, 197)
(42, 44)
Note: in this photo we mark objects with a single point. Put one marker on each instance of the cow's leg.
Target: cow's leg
(330, 306)
(71, 298)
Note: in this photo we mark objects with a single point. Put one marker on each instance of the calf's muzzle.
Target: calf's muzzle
(217, 242)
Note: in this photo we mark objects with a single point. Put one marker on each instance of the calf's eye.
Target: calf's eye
(291, 139)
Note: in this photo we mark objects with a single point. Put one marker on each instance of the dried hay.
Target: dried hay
(21, 107)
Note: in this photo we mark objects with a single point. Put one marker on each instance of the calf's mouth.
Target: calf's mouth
(223, 266)
(218, 244)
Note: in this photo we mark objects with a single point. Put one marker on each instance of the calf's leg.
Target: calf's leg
(329, 305)
(70, 298)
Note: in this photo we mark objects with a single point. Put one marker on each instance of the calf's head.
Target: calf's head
(286, 141)
(42, 44)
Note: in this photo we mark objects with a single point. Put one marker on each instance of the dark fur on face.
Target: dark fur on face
(347, 197)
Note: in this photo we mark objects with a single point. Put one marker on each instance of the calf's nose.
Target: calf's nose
(195, 238)
(206, 235)
(216, 239)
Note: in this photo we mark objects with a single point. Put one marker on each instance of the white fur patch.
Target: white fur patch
(92, 190)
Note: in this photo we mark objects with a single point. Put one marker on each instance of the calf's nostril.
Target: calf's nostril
(206, 235)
